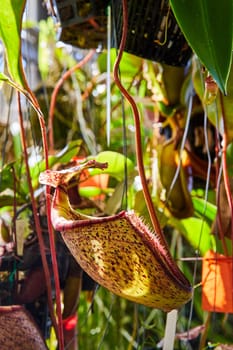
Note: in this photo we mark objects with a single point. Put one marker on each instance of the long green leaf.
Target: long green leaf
(11, 12)
(202, 207)
(116, 164)
(196, 231)
(208, 28)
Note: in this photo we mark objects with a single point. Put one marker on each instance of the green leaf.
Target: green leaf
(89, 191)
(8, 200)
(4, 77)
(208, 28)
(11, 12)
(230, 159)
(66, 154)
(116, 164)
(63, 157)
(46, 45)
(202, 207)
(130, 65)
(196, 231)
(7, 180)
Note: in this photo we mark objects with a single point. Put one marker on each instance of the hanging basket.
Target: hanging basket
(153, 32)
(217, 286)
(83, 23)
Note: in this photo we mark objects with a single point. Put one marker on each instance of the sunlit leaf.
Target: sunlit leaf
(117, 164)
(4, 77)
(11, 13)
(129, 66)
(204, 208)
(196, 231)
(208, 28)
(45, 46)
(89, 191)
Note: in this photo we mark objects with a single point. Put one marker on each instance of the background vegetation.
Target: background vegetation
(186, 126)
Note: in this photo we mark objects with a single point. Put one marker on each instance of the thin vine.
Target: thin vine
(224, 160)
(139, 155)
(36, 218)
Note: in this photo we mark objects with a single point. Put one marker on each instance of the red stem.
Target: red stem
(14, 218)
(60, 82)
(219, 219)
(58, 327)
(139, 154)
(225, 171)
(226, 177)
(52, 242)
(14, 208)
(220, 226)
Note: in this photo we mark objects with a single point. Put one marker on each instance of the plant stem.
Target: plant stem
(205, 332)
(36, 218)
(225, 171)
(139, 154)
(59, 326)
